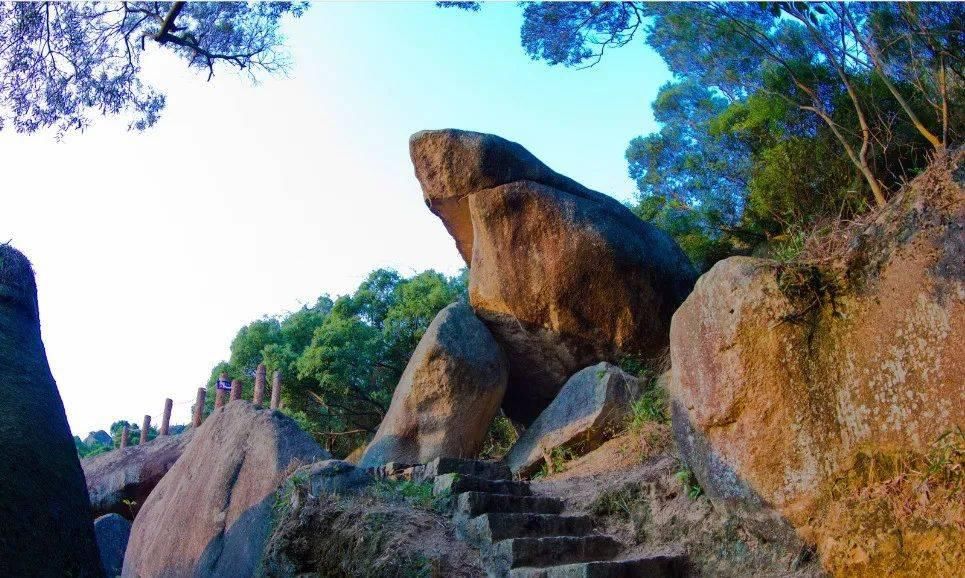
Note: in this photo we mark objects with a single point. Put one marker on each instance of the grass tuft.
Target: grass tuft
(689, 481)
(416, 494)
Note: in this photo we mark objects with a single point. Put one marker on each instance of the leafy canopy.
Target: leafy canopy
(62, 63)
(341, 359)
(780, 115)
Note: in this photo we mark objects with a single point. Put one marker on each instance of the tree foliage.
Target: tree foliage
(63, 62)
(780, 114)
(341, 359)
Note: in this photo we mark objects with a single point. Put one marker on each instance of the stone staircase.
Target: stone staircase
(524, 536)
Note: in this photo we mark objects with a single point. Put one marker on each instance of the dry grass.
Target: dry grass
(843, 245)
(924, 488)
(899, 515)
(838, 255)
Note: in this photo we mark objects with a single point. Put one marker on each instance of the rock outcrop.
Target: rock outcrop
(47, 528)
(592, 405)
(817, 399)
(120, 481)
(332, 477)
(448, 394)
(563, 276)
(330, 535)
(211, 514)
(112, 531)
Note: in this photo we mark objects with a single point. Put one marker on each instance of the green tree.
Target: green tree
(134, 432)
(342, 359)
(780, 114)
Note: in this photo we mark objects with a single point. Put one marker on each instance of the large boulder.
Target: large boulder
(211, 514)
(120, 481)
(332, 477)
(564, 276)
(448, 394)
(112, 531)
(830, 401)
(47, 528)
(592, 405)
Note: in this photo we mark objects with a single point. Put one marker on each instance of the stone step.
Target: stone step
(548, 551)
(472, 504)
(482, 531)
(655, 567)
(459, 483)
(478, 468)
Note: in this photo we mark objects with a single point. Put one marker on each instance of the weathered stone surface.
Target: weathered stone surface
(591, 406)
(487, 529)
(651, 567)
(549, 551)
(564, 276)
(211, 514)
(489, 470)
(112, 531)
(99, 437)
(46, 526)
(447, 396)
(452, 484)
(452, 164)
(130, 474)
(800, 408)
(471, 504)
(333, 477)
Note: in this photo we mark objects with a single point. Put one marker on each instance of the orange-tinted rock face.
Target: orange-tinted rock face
(784, 398)
(564, 276)
(447, 396)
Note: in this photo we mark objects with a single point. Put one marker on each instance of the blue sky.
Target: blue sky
(152, 249)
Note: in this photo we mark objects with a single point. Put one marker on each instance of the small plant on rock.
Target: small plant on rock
(131, 505)
(629, 503)
(620, 502)
(499, 438)
(555, 460)
(416, 494)
(691, 485)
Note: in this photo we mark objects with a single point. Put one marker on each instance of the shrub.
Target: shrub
(620, 502)
(555, 461)
(499, 438)
(416, 494)
(649, 407)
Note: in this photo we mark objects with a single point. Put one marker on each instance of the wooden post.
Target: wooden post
(259, 397)
(219, 393)
(125, 437)
(235, 389)
(145, 428)
(199, 407)
(275, 389)
(166, 417)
